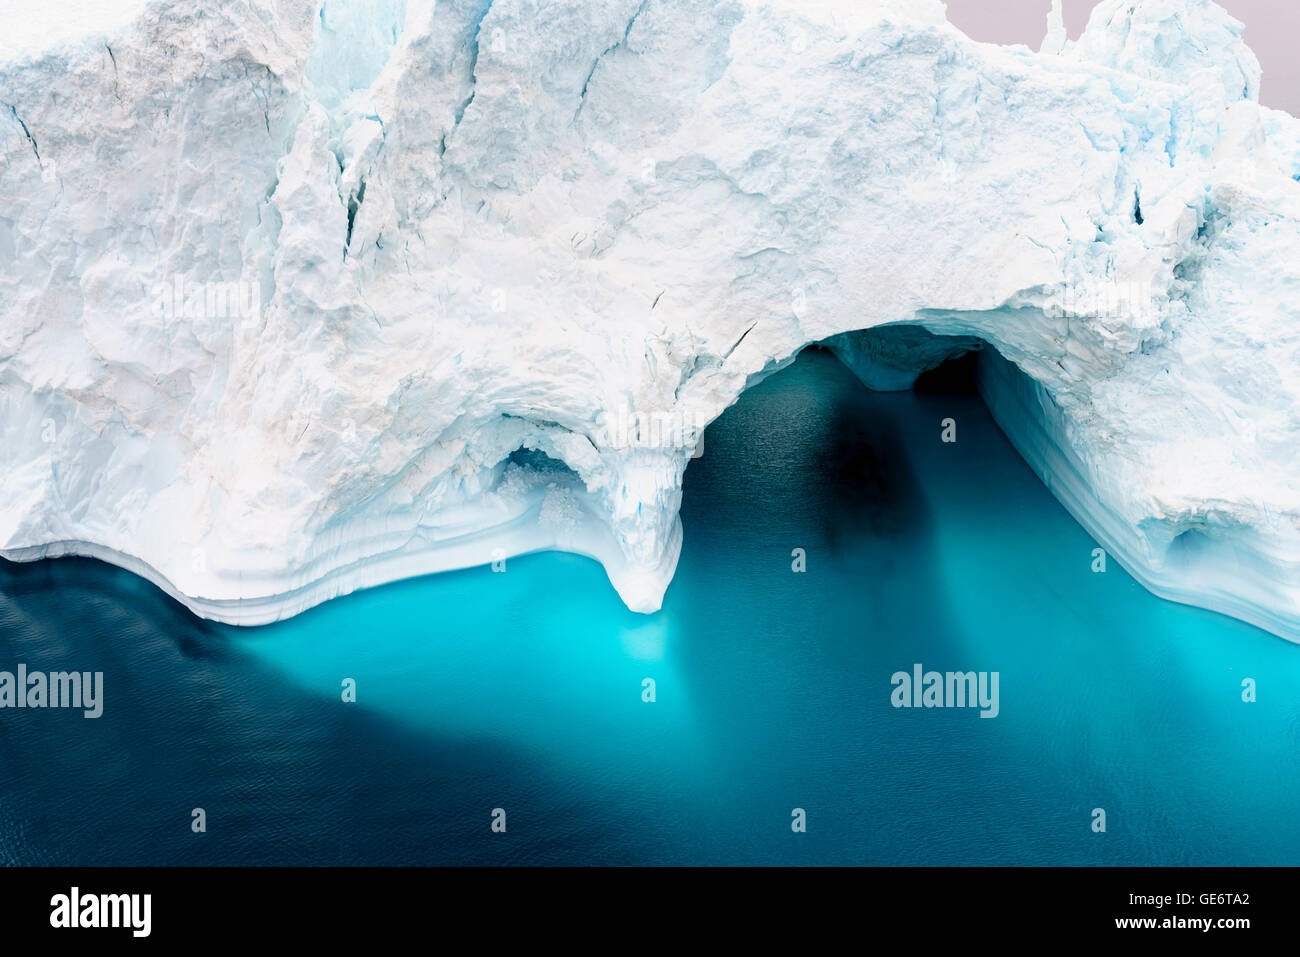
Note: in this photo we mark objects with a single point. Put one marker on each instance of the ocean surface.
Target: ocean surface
(523, 690)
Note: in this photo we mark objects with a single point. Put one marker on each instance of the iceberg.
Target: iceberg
(305, 296)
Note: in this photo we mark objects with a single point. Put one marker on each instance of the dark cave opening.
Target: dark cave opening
(955, 375)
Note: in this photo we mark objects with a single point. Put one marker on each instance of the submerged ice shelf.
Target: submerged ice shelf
(286, 287)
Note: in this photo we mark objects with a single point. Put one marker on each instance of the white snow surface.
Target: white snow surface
(284, 283)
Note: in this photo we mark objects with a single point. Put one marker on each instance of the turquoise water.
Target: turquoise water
(522, 690)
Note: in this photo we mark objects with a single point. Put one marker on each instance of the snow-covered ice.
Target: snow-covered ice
(285, 287)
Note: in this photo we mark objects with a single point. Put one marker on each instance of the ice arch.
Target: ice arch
(474, 226)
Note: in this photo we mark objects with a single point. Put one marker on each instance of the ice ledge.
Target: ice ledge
(1209, 558)
(365, 556)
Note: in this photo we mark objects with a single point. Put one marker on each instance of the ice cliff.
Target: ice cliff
(298, 297)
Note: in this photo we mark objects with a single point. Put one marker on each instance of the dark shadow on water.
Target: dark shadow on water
(868, 489)
(810, 459)
(285, 776)
(807, 449)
